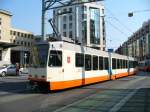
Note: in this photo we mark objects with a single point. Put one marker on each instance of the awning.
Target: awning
(4, 45)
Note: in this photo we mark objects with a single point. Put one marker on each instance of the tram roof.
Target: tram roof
(86, 49)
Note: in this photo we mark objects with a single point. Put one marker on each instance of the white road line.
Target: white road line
(118, 106)
(76, 102)
(122, 102)
(114, 109)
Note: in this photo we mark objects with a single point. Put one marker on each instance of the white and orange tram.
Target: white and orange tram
(60, 65)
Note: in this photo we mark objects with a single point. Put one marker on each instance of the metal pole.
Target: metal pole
(43, 20)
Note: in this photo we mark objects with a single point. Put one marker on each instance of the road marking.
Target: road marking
(76, 102)
(122, 102)
(118, 106)
(115, 108)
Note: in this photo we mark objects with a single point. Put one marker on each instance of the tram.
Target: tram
(60, 65)
(144, 65)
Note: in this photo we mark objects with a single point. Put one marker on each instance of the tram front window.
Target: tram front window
(55, 59)
(39, 55)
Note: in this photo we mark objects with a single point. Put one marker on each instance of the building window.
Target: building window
(18, 34)
(70, 34)
(84, 16)
(70, 9)
(64, 18)
(11, 32)
(0, 55)
(25, 35)
(104, 49)
(32, 36)
(14, 41)
(64, 26)
(64, 10)
(79, 60)
(25, 43)
(54, 12)
(28, 44)
(0, 21)
(14, 33)
(0, 34)
(28, 35)
(64, 34)
(17, 42)
(70, 17)
(84, 8)
(70, 25)
(102, 11)
(21, 42)
(94, 26)
(22, 34)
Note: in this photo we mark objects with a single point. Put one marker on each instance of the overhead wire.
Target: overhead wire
(115, 18)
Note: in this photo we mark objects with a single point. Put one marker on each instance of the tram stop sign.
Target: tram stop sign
(110, 50)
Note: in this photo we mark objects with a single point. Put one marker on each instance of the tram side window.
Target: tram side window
(95, 62)
(101, 63)
(106, 63)
(131, 64)
(55, 59)
(0, 55)
(113, 63)
(135, 63)
(118, 64)
(124, 64)
(79, 60)
(121, 62)
(87, 62)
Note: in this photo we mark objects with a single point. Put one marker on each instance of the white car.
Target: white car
(23, 71)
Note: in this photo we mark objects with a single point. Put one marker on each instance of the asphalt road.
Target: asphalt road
(129, 94)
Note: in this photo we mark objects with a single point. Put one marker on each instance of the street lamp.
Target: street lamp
(130, 14)
(25, 57)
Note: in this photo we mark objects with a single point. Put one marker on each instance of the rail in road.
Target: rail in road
(129, 94)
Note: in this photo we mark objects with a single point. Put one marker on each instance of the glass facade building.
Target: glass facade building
(84, 24)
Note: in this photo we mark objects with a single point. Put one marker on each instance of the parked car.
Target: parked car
(24, 71)
(8, 70)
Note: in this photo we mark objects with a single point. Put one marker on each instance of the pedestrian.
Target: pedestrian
(17, 68)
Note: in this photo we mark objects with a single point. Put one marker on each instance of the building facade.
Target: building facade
(24, 41)
(138, 45)
(82, 23)
(5, 25)
(14, 43)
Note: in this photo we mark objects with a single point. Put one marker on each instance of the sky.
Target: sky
(27, 16)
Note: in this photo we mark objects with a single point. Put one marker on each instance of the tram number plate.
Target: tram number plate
(68, 59)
